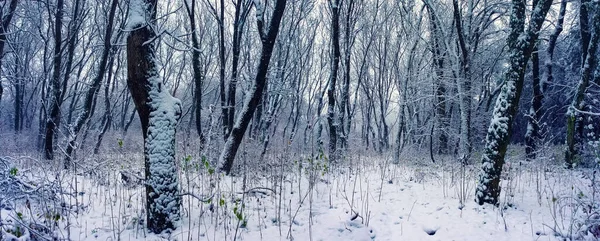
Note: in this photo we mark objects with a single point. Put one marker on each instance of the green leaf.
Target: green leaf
(13, 171)
(20, 215)
(222, 202)
(120, 142)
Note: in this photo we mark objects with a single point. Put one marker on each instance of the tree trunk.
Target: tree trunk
(55, 100)
(268, 38)
(335, 60)
(520, 45)
(92, 92)
(3, 30)
(198, 73)
(464, 87)
(589, 43)
(532, 136)
(159, 113)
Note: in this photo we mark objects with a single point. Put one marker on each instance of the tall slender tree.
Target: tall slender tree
(589, 46)
(4, 24)
(334, 5)
(268, 36)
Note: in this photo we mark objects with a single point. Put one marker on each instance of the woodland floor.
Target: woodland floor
(364, 198)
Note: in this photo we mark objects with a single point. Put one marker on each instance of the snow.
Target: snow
(137, 15)
(408, 203)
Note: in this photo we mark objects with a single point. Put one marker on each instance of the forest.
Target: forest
(299, 120)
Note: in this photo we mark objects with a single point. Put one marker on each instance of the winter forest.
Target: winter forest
(299, 120)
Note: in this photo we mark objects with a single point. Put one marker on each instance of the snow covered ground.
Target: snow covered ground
(366, 199)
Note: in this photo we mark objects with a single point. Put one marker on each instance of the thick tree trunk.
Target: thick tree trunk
(520, 45)
(268, 38)
(589, 42)
(159, 113)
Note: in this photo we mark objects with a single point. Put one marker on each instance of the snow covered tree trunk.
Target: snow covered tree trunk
(589, 43)
(520, 45)
(159, 113)
(335, 60)
(268, 37)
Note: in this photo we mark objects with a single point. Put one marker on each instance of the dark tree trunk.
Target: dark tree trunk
(3, 32)
(53, 120)
(589, 43)
(335, 61)
(198, 73)
(92, 92)
(520, 45)
(440, 87)
(159, 113)
(268, 38)
(532, 134)
(532, 137)
(222, 63)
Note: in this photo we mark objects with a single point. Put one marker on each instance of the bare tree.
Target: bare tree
(520, 43)
(159, 113)
(92, 92)
(268, 36)
(334, 5)
(589, 58)
(532, 136)
(4, 24)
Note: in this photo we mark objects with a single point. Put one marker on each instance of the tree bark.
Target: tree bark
(589, 43)
(268, 38)
(159, 113)
(520, 45)
(53, 120)
(335, 60)
(198, 73)
(532, 136)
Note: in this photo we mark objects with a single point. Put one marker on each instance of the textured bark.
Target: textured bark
(335, 60)
(520, 45)
(589, 43)
(159, 113)
(53, 120)
(268, 38)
